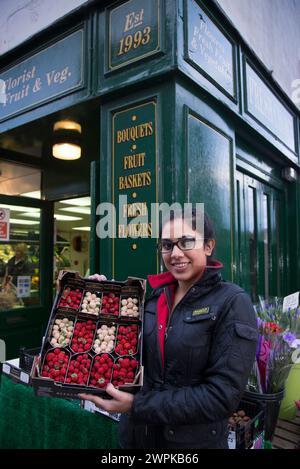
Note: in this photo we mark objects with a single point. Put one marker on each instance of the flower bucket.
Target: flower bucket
(271, 404)
(288, 409)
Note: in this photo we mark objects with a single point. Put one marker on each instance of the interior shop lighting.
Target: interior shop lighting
(19, 221)
(84, 210)
(30, 214)
(20, 208)
(59, 217)
(82, 228)
(22, 232)
(33, 194)
(80, 201)
(66, 140)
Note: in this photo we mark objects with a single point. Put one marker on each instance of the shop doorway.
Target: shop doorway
(72, 235)
(43, 237)
(26, 271)
(261, 242)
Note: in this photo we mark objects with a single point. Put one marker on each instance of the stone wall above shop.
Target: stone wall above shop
(271, 28)
(22, 19)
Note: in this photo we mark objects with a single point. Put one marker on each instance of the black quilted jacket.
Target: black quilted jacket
(209, 352)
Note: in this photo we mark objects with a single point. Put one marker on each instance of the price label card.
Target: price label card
(23, 286)
(231, 440)
(291, 301)
(24, 377)
(6, 369)
(90, 406)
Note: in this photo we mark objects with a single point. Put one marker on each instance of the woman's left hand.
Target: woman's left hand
(121, 402)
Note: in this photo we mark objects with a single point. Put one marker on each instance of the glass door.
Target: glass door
(26, 271)
(260, 237)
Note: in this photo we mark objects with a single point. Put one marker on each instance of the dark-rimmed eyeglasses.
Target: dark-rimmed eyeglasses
(186, 243)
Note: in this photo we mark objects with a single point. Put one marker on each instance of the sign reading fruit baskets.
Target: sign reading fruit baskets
(93, 337)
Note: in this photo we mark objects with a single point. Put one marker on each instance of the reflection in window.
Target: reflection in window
(238, 192)
(19, 259)
(17, 179)
(252, 243)
(265, 228)
(279, 267)
(71, 241)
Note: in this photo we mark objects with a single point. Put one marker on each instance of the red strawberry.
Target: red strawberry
(70, 298)
(55, 369)
(101, 371)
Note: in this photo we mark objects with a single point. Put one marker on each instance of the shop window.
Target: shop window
(266, 238)
(72, 235)
(278, 251)
(252, 240)
(17, 179)
(20, 259)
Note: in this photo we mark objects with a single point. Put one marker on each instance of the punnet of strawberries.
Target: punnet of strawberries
(110, 304)
(124, 371)
(70, 298)
(83, 336)
(79, 369)
(127, 340)
(55, 365)
(88, 351)
(101, 371)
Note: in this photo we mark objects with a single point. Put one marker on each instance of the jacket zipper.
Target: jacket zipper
(168, 298)
(167, 295)
(171, 313)
(170, 316)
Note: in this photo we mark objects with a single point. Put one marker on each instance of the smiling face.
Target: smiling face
(20, 251)
(186, 266)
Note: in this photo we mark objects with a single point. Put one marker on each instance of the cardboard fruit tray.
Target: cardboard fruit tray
(93, 337)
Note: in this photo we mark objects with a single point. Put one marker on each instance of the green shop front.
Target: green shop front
(169, 105)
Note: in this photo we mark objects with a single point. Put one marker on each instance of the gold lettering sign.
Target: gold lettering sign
(140, 38)
(135, 230)
(134, 31)
(134, 161)
(134, 175)
(137, 209)
(135, 180)
(133, 20)
(135, 132)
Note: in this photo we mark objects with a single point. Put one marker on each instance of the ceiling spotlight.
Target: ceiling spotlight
(66, 140)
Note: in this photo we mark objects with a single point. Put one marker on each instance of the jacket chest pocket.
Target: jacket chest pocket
(149, 319)
(196, 331)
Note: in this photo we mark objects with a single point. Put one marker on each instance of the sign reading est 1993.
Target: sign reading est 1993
(134, 175)
(208, 48)
(134, 32)
(55, 70)
(263, 105)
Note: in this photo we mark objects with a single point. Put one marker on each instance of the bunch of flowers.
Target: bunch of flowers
(278, 340)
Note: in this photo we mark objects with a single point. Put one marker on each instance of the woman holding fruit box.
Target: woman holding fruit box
(200, 339)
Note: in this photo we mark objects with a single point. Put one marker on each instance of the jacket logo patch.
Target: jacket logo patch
(196, 312)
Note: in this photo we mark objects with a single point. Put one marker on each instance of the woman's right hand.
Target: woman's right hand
(98, 277)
